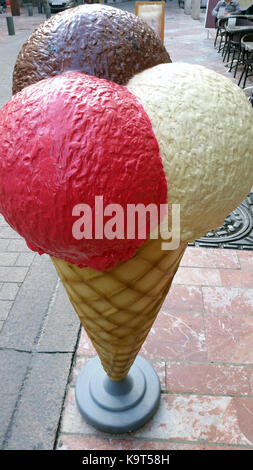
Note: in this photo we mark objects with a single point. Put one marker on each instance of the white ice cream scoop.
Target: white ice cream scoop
(204, 126)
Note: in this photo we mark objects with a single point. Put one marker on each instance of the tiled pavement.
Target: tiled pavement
(200, 344)
(201, 347)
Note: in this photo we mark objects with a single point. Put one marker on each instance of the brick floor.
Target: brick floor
(204, 358)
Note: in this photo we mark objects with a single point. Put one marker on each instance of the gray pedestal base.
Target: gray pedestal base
(118, 407)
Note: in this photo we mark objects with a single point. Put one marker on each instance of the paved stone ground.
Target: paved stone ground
(200, 345)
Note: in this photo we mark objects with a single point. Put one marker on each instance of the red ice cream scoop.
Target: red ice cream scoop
(68, 146)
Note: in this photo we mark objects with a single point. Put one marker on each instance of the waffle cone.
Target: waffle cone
(118, 307)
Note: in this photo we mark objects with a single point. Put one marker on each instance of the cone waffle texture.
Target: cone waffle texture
(118, 307)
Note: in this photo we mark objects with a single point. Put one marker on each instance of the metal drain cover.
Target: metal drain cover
(236, 231)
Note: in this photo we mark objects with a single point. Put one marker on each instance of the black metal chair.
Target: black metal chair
(247, 44)
(237, 49)
(240, 58)
(233, 37)
(233, 47)
(220, 31)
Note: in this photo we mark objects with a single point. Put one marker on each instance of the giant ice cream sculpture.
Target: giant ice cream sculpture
(168, 136)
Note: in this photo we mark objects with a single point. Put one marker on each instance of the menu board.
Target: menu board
(209, 19)
(153, 14)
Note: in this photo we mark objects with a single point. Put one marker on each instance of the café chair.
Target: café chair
(233, 35)
(220, 32)
(247, 44)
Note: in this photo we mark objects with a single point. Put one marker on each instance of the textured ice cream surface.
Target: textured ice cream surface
(95, 39)
(65, 141)
(204, 125)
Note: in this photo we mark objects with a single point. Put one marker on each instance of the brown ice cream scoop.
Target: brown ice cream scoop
(95, 39)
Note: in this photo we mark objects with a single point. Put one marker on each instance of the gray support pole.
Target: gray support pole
(30, 10)
(195, 9)
(10, 25)
(187, 6)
